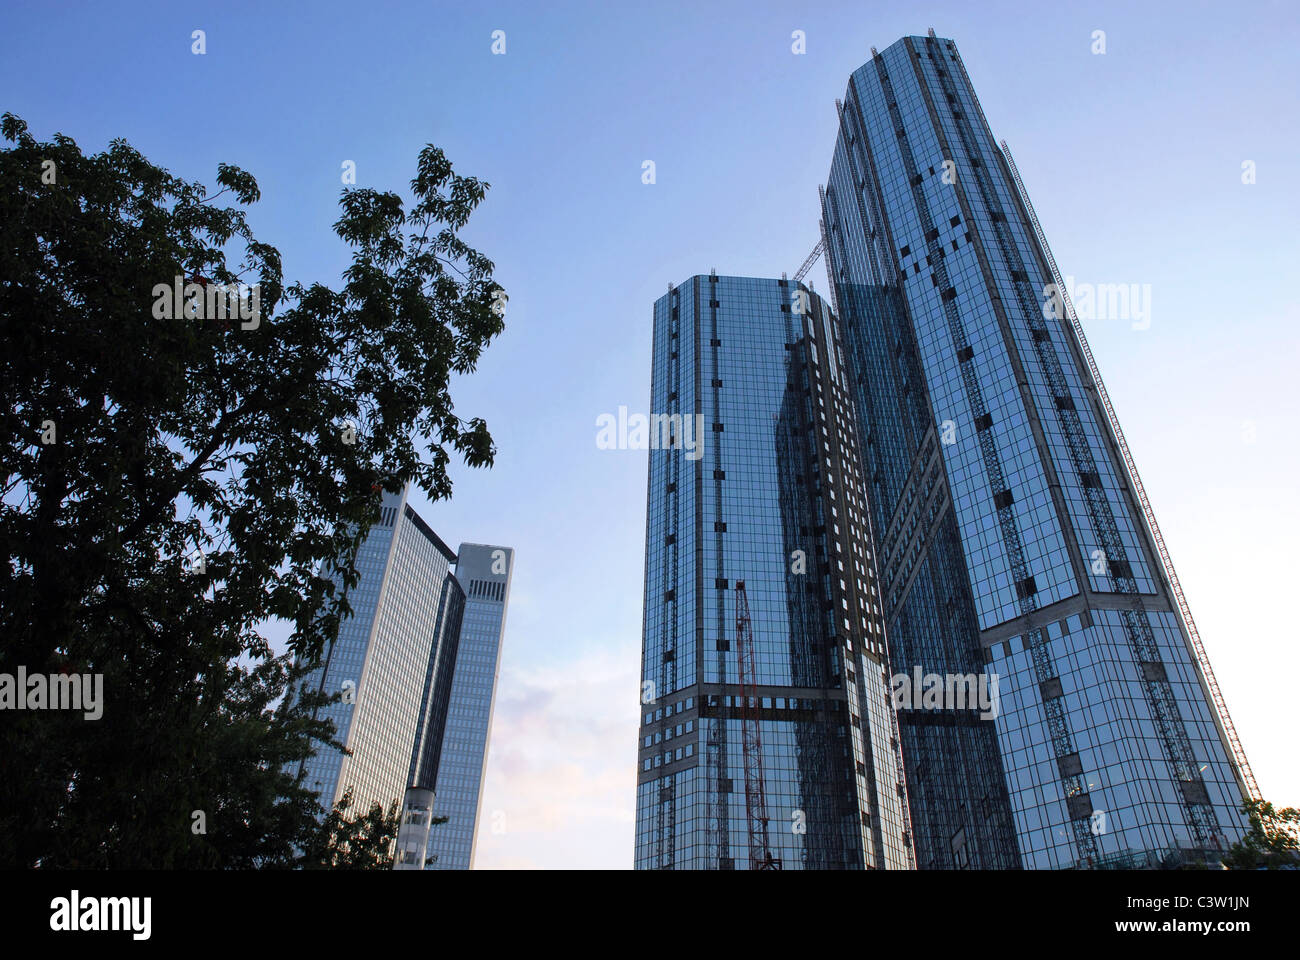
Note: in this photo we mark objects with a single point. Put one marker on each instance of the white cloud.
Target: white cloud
(562, 766)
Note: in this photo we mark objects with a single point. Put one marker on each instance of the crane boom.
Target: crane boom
(809, 261)
(760, 852)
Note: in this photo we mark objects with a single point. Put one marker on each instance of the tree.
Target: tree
(1271, 843)
(361, 843)
(178, 470)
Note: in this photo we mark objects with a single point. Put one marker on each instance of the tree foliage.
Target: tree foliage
(363, 842)
(1271, 843)
(171, 484)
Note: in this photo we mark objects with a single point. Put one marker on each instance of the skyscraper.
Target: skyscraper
(758, 569)
(483, 574)
(404, 610)
(417, 666)
(1008, 531)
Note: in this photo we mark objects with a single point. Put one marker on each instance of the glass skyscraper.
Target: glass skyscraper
(417, 697)
(1008, 535)
(483, 574)
(755, 479)
(381, 660)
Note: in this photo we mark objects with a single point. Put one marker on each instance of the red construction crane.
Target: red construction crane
(760, 853)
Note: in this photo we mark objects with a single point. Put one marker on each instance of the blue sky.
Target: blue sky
(1133, 160)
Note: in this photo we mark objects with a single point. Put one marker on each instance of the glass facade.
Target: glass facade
(1008, 538)
(484, 574)
(382, 659)
(419, 659)
(754, 478)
